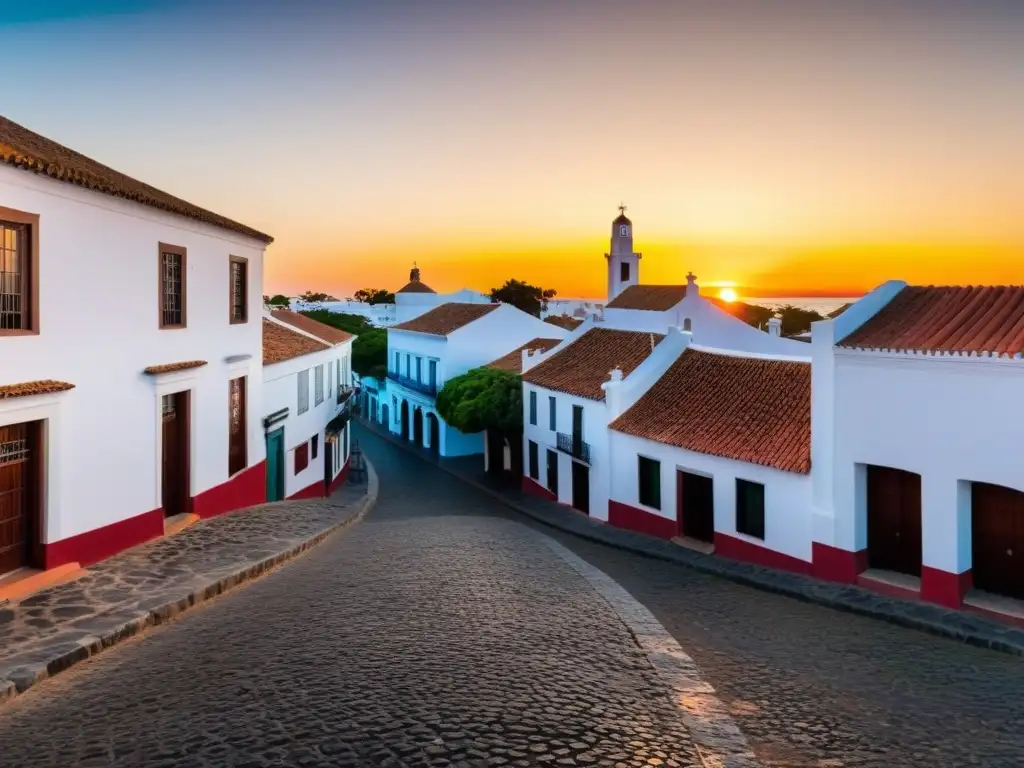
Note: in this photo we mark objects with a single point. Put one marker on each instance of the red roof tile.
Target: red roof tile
(322, 331)
(30, 388)
(654, 298)
(22, 148)
(980, 319)
(585, 364)
(155, 370)
(513, 361)
(281, 343)
(741, 408)
(415, 286)
(564, 321)
(446, 318)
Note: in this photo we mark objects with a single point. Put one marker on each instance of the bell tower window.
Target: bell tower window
(624, 272)
(623, 231)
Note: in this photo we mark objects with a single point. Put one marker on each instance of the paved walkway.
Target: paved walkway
(811, 687)
(59, 626)
(436, 632)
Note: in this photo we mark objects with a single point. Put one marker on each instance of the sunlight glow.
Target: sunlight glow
(727, 294)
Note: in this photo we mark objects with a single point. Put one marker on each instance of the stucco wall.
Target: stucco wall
(98, 289)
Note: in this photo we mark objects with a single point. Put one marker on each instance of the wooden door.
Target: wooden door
(435, 434)
(577, 429)
(175, 485)
(417, 427)
(553, 472)
(20, 492)
(581, 487)
(275, 465)
(695, 506)
(894, 520)
(404, 423)
(997, 539)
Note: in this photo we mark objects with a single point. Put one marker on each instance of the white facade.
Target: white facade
(623, 263)
(412, 356)
(379, 315)
(406, 307)
(102, 448)
(303, 413)
(581, 309)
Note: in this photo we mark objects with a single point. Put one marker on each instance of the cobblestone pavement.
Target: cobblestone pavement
(436, 632)
(812, 686)
(63, 624)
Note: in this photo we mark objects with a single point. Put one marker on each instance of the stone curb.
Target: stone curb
(120, 630)
(720, 742)
(933, 619)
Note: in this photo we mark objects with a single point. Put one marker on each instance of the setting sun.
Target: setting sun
(727, 294)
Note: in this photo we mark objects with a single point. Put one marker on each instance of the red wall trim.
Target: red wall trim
(945, 588)
(531, 486)
(740, 549)
(314, 491)
(640, 520)
(834, 564)
(338, 481)
(246, 489)
(100, 543)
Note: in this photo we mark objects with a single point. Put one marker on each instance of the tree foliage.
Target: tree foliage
(344, 321)
(794, 319)
(374, 296)
(483, 398)
(370, 353)
(311, 297)
(532, 299)
(278, 301)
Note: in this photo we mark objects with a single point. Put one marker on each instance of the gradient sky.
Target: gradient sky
(794, 147)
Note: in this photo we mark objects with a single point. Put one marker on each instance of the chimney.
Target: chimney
(692, 289)
(613, 393)
(775, 326)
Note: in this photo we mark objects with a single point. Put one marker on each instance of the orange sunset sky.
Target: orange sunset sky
(793, 147)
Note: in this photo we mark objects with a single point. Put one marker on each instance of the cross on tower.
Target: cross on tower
(622, 208)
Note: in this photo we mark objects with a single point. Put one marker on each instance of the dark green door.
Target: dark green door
(275, 465)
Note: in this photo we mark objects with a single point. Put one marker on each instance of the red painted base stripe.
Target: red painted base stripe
(740, 549)
(100, 543)
(945, 588)
(313, 491)
(246, 489)
(834, 564)
(338, 481)
(640, 520)
(531, 486)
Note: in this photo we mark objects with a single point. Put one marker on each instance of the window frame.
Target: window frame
(743, 514)
(181, 251)
(624, 272)
(244, 262)
(318, 385)
(303, 402)
(233, 449)
(552, 413)
(314, 450)
(533, 407)
(31, 265)
(533, 459)
(655, 465)
(301, 457)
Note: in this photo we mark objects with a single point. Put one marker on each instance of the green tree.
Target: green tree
(344, 321)
(794, 319)
(797, 320)
(370, 353)
(483, 398)
(311, 297)
(278, 300)
(532, 299)
(374, 296)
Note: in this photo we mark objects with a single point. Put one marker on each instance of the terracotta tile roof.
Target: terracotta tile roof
(22, 148)
(741, 408)
(28, 388)
(513, 361)
(583, 366)
(839, 310)
(564, 321)
(654, 298)
(981, 319)
(153, 370)
(415, 286)
(322, 331)
(446, 318)
(280, 343)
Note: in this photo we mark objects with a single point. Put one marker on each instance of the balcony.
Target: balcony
(423, 387)
(574, 446)
(344, 394)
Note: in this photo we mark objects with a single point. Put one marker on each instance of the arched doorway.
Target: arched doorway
(403, 413)
(417, 427)
(434, 431)
(385, 416)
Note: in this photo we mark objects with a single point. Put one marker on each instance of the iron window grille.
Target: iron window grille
(14, 277)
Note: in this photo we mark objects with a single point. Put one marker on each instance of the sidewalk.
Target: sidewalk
(956, 625)
(115, 599)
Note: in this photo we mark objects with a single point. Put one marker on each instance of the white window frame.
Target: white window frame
(303, 379)
(318, 385)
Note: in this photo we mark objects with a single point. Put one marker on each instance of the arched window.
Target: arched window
(623, 231)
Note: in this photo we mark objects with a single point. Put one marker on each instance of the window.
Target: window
(419, 369)
(318, 385)
(649, 472)
(18, 272)
(750, 508)
(301, 457)
(315, 442)
(303, 377)
(687, 324)
(330, 373)
(624, 271)
(553, 472)
(236, 425)
(398, 365)
(408, 365)
(433, 373)
(623, 230)
(534, 461)
(173, 288)
(551, 413)
(533, 407)
(239, 283)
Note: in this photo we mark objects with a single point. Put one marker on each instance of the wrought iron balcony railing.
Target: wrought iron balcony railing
(574, 446)
(345, 394)
(424, 387)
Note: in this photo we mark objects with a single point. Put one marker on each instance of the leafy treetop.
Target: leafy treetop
(370, 353)
(532, 299)
(356, 324)
(374, 296)
(483, 398)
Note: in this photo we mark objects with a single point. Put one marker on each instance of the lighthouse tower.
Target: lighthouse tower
(623, 263)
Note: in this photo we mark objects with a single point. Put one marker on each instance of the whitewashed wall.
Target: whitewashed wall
(98, 288)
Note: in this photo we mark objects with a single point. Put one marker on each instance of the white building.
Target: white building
(438, 345)
(565, 415)
(307, 391)
(116, 415)
(580, 309)
(918, 479)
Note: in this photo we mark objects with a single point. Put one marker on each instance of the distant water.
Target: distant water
(820, 305)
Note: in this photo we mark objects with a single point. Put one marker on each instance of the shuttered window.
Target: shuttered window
(649, 481)
(750, 508)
